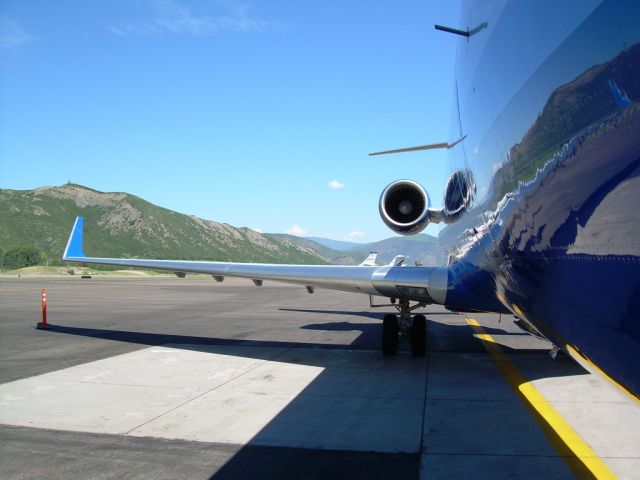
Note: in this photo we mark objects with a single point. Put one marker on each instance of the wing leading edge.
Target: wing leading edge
(425, 284)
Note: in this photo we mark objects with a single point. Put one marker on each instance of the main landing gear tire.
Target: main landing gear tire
(418, 336)
(389, 334)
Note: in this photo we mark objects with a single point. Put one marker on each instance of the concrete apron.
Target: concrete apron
(299, 397)
(467, 419)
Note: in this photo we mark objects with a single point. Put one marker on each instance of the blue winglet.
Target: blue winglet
(74, 245)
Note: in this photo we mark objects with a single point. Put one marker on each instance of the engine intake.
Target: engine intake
(404, 207)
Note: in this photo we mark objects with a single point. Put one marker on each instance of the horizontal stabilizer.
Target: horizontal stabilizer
(432, 146)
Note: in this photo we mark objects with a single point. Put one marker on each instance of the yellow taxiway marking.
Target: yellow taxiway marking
(534, 400)
(580, 356)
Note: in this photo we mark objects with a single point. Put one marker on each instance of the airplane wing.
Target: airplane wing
(422, 284)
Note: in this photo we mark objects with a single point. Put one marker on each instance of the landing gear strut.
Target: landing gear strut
(389, 334)
(395, 327)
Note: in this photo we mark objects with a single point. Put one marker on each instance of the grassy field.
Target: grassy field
(44, 271)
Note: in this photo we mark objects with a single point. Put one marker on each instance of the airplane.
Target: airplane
(542, 206)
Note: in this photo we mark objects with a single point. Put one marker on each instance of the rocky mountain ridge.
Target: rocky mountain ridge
(119, 224)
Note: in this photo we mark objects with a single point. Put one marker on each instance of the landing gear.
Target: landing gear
(389, 334)
(395, 327)
(418, 336)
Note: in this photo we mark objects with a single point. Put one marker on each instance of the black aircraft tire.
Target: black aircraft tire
(389, 334)
(419, 336)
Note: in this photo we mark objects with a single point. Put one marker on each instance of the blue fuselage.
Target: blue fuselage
(547, 94)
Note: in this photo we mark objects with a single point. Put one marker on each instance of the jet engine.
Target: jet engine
(404, 204)
(404, 207)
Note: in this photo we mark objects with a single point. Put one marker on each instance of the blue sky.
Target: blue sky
(257, 114)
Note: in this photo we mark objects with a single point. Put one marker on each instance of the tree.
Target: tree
(21, 257)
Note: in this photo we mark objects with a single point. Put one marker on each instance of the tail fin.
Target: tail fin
(619, 95)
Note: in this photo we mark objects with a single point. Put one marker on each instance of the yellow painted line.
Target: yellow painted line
(580, 356)
(535, 400)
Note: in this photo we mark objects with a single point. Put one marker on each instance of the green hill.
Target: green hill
(331, 255)
(123, 225)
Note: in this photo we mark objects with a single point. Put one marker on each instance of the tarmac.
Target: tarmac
(190, 378)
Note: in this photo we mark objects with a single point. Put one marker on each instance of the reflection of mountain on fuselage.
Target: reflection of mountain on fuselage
(593, 96)
(571, 108)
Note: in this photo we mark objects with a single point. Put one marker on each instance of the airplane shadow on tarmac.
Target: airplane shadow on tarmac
(363, 415)
(370, 335)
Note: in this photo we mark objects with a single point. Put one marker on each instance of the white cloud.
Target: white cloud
(259, 230)
(298, 231)
(336, 185)
(496, 166)
(356, 235)
(12, 35)
(171, 17)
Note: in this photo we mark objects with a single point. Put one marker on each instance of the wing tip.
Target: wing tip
(74, 244)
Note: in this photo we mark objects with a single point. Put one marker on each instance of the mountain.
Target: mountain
(422, 248)
(427, 252)
(331, 255)
(121, 224)
(339, 245)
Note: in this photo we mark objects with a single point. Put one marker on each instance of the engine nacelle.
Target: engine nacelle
(404, 207)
